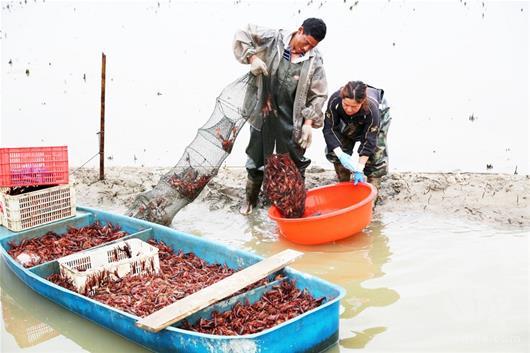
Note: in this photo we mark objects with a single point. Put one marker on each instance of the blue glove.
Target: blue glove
(357, 177)
(346, 160)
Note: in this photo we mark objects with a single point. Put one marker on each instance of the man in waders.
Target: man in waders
(358, 113)
(292, 89)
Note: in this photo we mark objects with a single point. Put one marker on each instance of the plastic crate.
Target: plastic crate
(31, 209)
(117, 260)
(23, 166)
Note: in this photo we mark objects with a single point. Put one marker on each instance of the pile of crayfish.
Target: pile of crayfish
(189, 187)
(281, 303)
(51, 246)
(180, 275)
(284, 185)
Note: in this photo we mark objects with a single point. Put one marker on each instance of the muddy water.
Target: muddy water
(414, 282)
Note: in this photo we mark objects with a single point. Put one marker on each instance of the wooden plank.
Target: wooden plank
(181, 309)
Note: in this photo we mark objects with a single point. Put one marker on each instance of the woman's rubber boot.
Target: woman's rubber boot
(376, 182)
(343, 174)
(252, 190)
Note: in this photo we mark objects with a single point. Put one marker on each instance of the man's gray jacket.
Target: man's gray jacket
(312, 89)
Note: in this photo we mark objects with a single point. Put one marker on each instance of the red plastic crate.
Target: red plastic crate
(23, 166)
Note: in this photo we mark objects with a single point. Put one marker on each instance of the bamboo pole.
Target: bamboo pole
(102, 120)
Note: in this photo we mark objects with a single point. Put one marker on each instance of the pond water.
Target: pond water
(414, 282)
(158, 54)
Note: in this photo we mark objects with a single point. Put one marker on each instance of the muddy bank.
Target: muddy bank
(493, 198)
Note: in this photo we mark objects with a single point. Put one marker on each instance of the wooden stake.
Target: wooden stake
(102, 121)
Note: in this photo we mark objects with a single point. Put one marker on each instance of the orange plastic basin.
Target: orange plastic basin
(332, 212)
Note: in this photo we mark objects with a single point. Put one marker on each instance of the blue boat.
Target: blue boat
(313, 331)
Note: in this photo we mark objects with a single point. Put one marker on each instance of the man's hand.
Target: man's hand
(257, 66)
(307, 136)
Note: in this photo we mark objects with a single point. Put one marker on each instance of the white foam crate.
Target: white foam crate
(114, 259)
(35, 208)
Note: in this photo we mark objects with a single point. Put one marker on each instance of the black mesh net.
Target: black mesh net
(202, 157)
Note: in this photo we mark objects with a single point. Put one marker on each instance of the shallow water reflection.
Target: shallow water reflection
(32, 323)
(414, 282)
